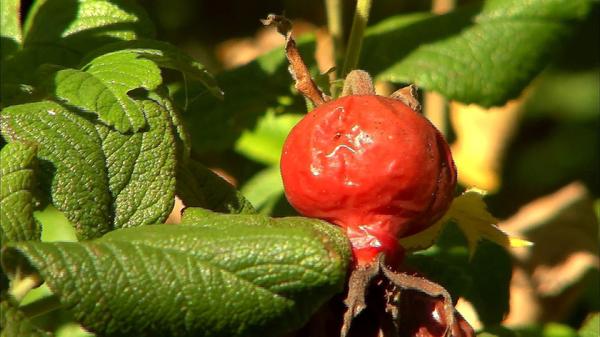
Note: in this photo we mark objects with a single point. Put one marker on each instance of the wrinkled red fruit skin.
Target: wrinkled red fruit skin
(371, 165)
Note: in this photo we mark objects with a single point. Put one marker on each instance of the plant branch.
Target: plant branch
(359, 24)
(298, 69)
(335, 25)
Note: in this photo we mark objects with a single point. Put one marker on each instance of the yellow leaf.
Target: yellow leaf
(425, 238)
(472, 217)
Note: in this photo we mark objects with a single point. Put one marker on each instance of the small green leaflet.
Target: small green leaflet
(17, 182)
(103, 86)
(164, 55)
(60, 32)
(86, 25)
(105, 83)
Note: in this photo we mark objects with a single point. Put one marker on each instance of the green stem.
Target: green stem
(361, 17)
(336, 28)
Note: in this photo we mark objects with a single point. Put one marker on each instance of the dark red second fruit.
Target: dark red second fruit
(371, 165)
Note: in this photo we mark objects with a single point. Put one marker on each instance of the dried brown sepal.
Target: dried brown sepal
(298, 69)
(461, 327)
(358, 284)
(405, 281)
(410, 306)
(408, 96)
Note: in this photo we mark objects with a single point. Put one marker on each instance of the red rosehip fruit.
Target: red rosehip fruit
(371, 165)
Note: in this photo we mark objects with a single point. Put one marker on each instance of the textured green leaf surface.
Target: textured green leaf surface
(197, 186)
(15, 324)
(103, 86)
(72, 163)
(221, 277)
(62, 31)
(482, 55)
(164, 55)
(10, 27)
(85, 25)
(200, 216)
(17, 181)
(141, 168)
(99, 178)
(591, 326)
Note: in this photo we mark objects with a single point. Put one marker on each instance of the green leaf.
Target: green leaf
(85, 25)
(475, 55)
(591, 326)
(197, 186)
(264, 189)
(10, 27)
(71, 161)
(200, 216)
(220, 277)
(141, 167)
(103, 86)
(60, 32)
(15, 324)
(99, 178)
(265, 142)
(17, 181)
(164, 55)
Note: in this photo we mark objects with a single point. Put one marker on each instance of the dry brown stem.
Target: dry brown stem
(298, 69)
